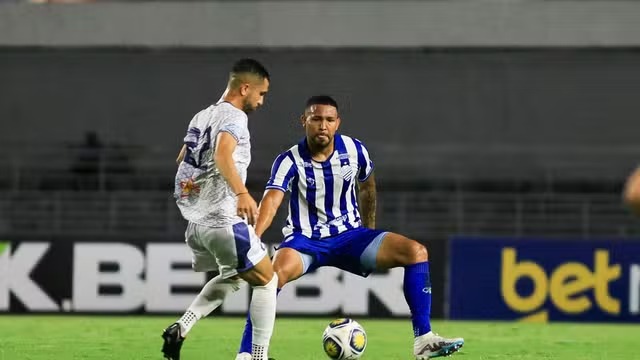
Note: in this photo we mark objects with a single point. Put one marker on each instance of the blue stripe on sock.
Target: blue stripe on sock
(245, 343)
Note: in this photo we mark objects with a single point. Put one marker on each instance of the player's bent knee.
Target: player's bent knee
(419, 252)
(282, 279)
(255, 278)
(287, 265)
(260, 274)
(272, 283)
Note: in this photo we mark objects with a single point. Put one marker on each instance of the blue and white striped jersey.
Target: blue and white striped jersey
(323, 199)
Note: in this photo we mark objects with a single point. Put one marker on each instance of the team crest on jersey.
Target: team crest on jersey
(347, 172)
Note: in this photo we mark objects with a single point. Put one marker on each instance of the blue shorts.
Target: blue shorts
(354, 250)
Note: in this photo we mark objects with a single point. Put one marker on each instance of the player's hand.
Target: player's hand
(247, 208)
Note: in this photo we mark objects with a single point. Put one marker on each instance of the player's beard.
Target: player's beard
(247, 107)
(319, 142)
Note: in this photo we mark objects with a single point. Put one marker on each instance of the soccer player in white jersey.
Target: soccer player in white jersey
(327, 226)
(211, 194)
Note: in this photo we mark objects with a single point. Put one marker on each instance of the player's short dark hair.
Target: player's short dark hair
(321, 100)
(250, 66)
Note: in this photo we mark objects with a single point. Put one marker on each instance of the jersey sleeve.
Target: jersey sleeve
(364, 161)
(193, 133)
(282, 171)
(235, 125)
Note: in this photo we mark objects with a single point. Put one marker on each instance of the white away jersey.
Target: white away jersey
(202, 194)
(323, 199)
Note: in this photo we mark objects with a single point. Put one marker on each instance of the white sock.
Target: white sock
(210, 297)
(263, 316)
(259, 352)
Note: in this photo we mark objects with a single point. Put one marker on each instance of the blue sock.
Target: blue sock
(247, 335)
(417, 292)
(245, 343)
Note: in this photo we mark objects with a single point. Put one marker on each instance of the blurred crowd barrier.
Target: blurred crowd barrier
(424, 214)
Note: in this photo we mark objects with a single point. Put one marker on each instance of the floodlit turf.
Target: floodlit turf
(138, 337)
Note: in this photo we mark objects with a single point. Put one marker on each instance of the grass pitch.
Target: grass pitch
(138, 337)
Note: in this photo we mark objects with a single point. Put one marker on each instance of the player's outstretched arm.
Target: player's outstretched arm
(268, 208)
(223, 157)
(631, 194)
(367, 197)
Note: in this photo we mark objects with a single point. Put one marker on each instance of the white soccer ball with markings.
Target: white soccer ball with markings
(344, 339)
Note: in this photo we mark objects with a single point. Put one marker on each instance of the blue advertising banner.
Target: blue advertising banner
(542, 280)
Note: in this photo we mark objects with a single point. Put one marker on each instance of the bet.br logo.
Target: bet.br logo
(567, 286)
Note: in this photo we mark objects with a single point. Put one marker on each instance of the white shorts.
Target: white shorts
(228, 250)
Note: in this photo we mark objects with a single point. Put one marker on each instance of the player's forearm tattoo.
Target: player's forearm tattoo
(367, 197)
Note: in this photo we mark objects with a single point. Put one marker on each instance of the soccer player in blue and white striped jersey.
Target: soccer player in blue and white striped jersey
(323, 193)
(331, 221)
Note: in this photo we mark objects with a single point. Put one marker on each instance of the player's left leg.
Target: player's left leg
(209, 298)
(395, 250)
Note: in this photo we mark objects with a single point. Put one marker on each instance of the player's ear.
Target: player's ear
(303, 120)
(244, 89)
(338, 121)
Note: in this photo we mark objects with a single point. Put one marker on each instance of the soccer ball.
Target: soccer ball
(344, 339)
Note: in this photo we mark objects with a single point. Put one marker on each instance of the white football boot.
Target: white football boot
(432, 345)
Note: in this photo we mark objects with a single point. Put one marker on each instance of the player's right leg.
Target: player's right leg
(262, 309)
(288, 264)
(249, 259)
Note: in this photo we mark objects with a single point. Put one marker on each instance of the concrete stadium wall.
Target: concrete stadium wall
(323, 24)
(420, 112)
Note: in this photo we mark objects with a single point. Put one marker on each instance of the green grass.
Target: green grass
(138, 337)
